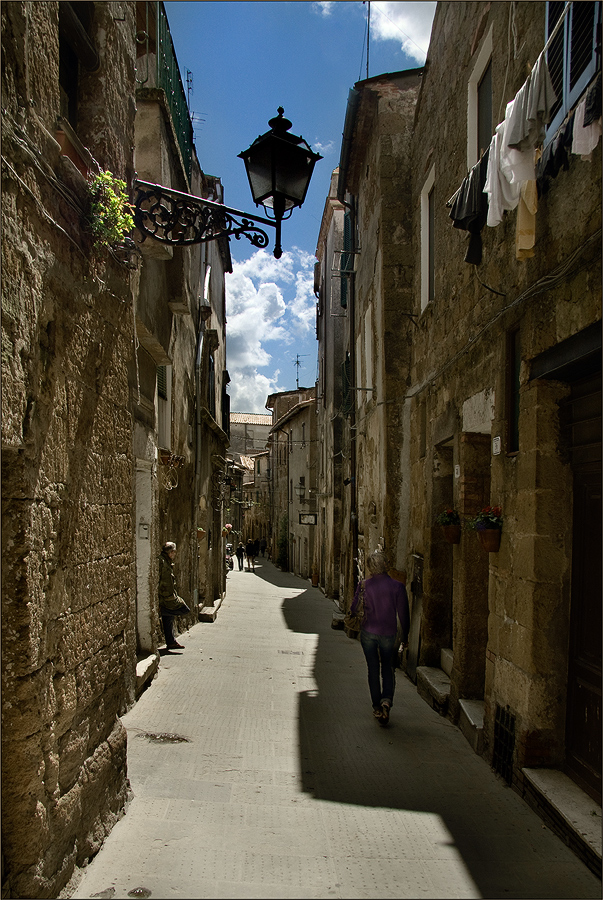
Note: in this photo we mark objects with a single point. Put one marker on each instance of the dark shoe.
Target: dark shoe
(384, 714)
(377, 712)
(175, 646)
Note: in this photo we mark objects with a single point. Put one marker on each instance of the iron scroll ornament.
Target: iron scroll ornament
(181, 220)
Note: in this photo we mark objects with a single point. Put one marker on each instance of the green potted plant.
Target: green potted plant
(488, 524)
(111, 215)
(450, 521)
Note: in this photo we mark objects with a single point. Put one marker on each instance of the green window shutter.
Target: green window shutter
(162, 382)
(346, 385)
(347, 259)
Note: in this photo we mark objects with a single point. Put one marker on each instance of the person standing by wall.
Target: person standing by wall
(385, 601)
(170, 604)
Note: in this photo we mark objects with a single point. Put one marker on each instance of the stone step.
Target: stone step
(471, 723)
(568, 811)
(433, 686)
(446, 658)
(145, 672)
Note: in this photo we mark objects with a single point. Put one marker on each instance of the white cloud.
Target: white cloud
(323, 149)
(268, 301)
(408, 23)
(323, 7)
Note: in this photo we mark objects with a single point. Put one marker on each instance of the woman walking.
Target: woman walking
(385, 601)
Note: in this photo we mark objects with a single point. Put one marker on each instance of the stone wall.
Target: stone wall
(459, 389)
(68, 591)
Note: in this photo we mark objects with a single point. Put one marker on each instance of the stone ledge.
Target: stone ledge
(145, 672)
(471, 723)
(568, 811)
(210, 613)
(433, 685)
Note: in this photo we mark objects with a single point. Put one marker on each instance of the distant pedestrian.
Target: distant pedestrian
(256, 547)
(385, 601)
(240, 552)
(170, 604)
(250, 554)
(263, 546)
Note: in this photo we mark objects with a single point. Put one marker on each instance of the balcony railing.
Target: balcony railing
(156, 43)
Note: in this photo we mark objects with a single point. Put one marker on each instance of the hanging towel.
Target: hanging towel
(532, 108)
(470, 208)
(555, 156)
(516, 166)
(586, 137)
(502, 194)
(592, 111)
(525, 232)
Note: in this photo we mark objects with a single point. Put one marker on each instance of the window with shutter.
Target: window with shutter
(346, 385)
(347, 257)
(574, 55)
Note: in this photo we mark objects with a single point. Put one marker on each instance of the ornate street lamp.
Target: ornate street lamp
(279, 167)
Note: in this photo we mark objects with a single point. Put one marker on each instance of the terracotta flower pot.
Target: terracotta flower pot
(314, 579)
(452, 533)
(489, 538)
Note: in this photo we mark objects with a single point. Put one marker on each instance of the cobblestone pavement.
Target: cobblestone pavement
(285, 785)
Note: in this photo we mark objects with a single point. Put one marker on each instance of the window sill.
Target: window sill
(72, 147)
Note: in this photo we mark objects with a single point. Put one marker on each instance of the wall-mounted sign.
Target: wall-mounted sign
(496, 446)
(457, 471)
(307, 518)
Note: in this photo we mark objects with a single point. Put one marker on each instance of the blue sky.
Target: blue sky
(246, 59)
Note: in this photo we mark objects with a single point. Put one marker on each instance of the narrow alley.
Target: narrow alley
(257, 770)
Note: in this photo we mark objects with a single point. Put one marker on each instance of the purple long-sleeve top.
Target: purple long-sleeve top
(384, 599)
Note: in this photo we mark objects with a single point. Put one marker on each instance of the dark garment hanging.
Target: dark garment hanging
(592, 110)
(470, 208)
(555, 156)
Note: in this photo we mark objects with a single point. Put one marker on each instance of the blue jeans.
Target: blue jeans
(380, 652)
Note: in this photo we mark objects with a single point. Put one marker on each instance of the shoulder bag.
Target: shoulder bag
(354, 620)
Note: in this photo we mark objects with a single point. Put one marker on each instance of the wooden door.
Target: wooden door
(583, 721)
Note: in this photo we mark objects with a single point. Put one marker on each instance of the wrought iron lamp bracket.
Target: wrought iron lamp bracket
(181, 220)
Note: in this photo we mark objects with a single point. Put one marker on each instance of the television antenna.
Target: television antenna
(296, 362)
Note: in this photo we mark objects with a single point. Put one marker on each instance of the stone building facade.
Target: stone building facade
(114, 417)
(248, 433)
(331, 286)
(366, 355)
(293, 449)
(505, 400)
(68, 570)
(483, 381)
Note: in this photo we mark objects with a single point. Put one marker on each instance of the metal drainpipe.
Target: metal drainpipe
(197, 491)
(354, 485)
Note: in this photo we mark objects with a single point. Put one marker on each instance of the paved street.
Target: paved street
(285, 785)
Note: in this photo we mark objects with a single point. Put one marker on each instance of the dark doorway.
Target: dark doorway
(583, 721)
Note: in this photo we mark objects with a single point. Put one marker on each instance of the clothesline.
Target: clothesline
(558, 24)
(550, 39)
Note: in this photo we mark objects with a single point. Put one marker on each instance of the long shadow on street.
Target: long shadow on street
(420, 763)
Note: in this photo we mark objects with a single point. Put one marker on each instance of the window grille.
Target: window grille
(504, 743)
(574, 55)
